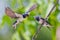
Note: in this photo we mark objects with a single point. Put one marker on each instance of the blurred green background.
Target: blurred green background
(28, 27)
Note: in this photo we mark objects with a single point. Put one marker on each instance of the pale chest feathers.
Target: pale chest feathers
(44, 23)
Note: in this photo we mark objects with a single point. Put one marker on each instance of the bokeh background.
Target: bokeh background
(28, 27)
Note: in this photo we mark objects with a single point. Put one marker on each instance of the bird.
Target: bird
(42, 21)
(20, 17)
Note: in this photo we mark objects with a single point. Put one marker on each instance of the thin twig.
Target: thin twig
(35, 35)
(52, 9)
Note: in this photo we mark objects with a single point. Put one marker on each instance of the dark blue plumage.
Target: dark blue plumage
(37, 18)
(25, 15)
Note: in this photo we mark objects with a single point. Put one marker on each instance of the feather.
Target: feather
(10, 13)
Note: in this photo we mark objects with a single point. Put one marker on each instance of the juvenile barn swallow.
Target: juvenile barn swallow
(20, 17)
(42, 20)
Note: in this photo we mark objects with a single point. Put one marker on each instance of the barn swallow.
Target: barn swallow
(20, 17)
(42, 20)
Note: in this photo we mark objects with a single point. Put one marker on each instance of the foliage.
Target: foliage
(28, 27)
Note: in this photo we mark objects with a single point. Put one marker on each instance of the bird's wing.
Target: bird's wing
(11, 13)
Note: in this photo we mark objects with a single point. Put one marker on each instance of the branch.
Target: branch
(50, 12)
(52, 9)
(35, 35)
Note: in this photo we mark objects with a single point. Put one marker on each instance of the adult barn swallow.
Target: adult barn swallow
(20, 17)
